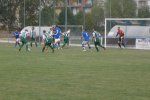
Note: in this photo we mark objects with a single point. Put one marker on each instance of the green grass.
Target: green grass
(71, 74)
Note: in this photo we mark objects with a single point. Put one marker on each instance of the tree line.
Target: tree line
(14, 13)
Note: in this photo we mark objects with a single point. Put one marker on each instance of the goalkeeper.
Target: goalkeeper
(97, 40)
(120, 33)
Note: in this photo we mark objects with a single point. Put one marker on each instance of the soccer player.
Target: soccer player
(66, 36)
(120, 35)
(23, 36)
(50, 32)
(33, 37)
(97, 40)
(57, 35)
(48, 40)
(16, 35)
(85, 40)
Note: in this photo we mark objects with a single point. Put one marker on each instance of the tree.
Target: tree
(144, 12)
(98, 17)
(120, 8)
(79, 18)
(89, 23)
(47, 16)
(31, 12)
(8, 12)
(70, 20)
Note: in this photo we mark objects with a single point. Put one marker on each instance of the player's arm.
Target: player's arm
(117, 34)
(81, 37)
(13, 34)
(93, 36)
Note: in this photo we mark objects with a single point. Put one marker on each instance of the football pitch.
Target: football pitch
(71, 74)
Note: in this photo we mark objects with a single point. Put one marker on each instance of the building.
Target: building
(142, 3)
(99, 2)
(76, 6)
(80, 5)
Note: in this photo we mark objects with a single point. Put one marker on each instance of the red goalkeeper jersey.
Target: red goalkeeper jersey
(120, 33)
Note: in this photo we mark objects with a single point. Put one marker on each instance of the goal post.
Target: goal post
(137, 32)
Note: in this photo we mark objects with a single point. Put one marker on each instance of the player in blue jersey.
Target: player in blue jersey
(57, 36)
(85, 40)
(16, 35)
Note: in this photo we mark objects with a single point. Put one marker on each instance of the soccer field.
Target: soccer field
(71, 74)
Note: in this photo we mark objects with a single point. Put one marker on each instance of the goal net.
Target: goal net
(137, 32)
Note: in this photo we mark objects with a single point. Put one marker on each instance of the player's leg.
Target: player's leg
(88, 43)
(83, 45)
(44, 45)
(21, 45)
(27, 46)
(18, 41)
(50, 45)
(31, 41)
(122, 41)
(57, 43)
(64, 43)
(67, 42)
(35, 43)
(119, 42)
(96, 46)
(99, 44)
(102, 47)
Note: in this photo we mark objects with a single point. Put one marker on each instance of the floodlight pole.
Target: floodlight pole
(83, 7)
(40, 22)
(24, 21)
(54, 2)
(66, 15)
(105, 33)
(110, 8)
(110, 13)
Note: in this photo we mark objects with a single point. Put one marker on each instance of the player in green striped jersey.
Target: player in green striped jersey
(66, 38)
(97, 40)
(23, 37)
(48, 40)
(33, 37)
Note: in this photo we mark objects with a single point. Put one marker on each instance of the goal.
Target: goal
(137, 32)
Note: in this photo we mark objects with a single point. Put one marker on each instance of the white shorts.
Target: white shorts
(43, 38)
(57, 40)
(85, 42)
(18, 40)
